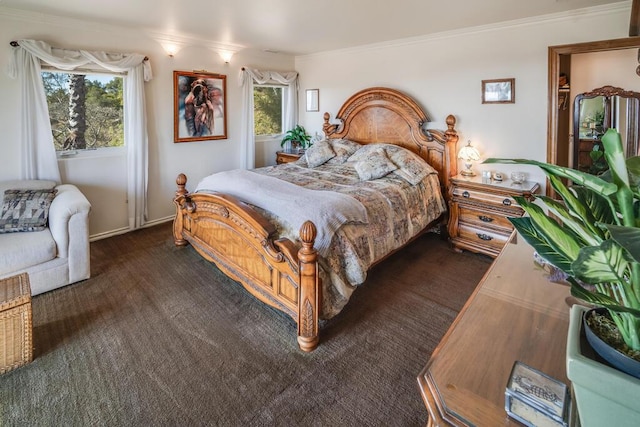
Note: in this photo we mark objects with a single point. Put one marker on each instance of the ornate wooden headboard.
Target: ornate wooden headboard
(379, 114)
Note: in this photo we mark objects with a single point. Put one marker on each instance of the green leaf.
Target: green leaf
(597, 298)
(563, 241)
(601, 264)
(628, 238)
(598, 206)
(531, 235)
(589, 234)
(575, 205)
(581, 178)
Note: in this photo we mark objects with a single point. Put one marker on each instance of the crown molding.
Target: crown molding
(624, 6)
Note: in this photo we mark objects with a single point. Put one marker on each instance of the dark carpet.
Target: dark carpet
(160, 337)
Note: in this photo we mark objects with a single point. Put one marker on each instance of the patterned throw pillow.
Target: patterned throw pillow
(319, 153)
(343, 149)
(411, 167)
(25, 210)
(375, 166)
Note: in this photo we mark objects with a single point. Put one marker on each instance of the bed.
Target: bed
(249, 243)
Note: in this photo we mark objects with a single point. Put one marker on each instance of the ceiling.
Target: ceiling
(297, 27)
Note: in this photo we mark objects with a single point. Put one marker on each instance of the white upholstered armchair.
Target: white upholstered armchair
(59, 254)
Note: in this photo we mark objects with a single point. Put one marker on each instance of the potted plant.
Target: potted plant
(297, 137)
(593, 237)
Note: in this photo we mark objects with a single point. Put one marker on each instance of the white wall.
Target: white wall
(102, 178)
(444, 73)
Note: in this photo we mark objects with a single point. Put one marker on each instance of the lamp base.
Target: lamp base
(467, 172)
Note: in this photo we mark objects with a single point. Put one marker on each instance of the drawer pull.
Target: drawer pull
(466, 194)
(506, 202)
(485, 218)
(484, 236)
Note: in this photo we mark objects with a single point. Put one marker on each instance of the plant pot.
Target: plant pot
(603, 395)
(615, 358)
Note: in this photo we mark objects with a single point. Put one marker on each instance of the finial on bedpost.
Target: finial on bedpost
(309, 291)
(327, 128)
(181, 180)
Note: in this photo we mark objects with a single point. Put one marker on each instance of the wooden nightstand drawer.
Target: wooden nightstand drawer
(484, 218)
(483, 237)
(485, 198)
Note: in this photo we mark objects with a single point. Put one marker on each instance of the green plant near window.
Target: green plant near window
(297, 136)
(595, 239)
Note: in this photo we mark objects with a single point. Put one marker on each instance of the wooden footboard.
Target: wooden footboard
(241, 243)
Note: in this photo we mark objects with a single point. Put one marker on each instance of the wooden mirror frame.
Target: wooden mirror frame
(609, 94)
(555, 55)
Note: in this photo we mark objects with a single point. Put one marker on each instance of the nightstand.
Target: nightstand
(478, 212)
(284, 157)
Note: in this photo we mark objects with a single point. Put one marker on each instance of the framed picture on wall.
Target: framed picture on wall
(499, 91)
(199, 106)
(313, 103)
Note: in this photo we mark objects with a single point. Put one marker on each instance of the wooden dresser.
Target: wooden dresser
(515, 313)
(479, 210)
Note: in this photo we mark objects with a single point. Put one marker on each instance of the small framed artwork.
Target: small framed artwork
(499, 91)
(313, 103)
(199, 106)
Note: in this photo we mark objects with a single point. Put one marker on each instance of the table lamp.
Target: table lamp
(468, 154)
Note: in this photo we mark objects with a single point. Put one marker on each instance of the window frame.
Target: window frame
(283, 106)
(89, 152)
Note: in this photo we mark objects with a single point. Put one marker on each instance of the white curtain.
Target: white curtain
(39, 157)
(247, 79)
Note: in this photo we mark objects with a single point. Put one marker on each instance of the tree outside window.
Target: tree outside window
(86, 111)
(268, 109)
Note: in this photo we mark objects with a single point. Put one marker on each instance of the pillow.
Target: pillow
(343, 149)
(365, 151)
(375, 166)
(411, 167)
(26, 210)
(319, 153)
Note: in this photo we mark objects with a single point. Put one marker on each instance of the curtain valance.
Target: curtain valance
(68, 60)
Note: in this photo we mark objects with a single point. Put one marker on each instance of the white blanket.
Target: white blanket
(293, 204)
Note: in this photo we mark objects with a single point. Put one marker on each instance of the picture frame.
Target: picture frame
(499, 91)
(313, 102)
(199, 106)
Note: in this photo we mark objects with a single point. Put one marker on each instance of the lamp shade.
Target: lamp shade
(468, 153)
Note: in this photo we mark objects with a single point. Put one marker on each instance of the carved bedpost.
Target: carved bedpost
(309, 291)
(451, 148)
(181, 192)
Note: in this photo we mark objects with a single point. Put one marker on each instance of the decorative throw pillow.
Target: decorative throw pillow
(26, 210)
(319, 153)
(375, 166)
(364, 152)
(411, 167)
(343, 149)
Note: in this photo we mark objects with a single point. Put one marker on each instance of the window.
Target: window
(86, 110)
(268, 109)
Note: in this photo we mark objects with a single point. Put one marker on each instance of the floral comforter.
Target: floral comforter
(397, 211)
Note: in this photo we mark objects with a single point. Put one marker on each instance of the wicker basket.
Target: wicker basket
(16, 337)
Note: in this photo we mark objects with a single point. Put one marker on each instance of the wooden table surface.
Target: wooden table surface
(515, 313)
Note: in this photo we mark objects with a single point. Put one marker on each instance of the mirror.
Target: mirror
(596, 111)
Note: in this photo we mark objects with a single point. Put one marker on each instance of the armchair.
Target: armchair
(58, 255)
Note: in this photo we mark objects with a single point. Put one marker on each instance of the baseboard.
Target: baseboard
(123, 230)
